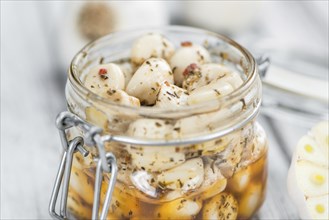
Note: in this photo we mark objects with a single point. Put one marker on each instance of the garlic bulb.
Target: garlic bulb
(308, 173)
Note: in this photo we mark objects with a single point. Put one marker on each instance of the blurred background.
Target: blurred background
(39, 39)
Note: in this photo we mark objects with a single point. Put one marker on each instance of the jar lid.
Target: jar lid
(296, 95)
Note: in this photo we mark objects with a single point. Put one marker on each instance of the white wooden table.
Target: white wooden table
(32, 93)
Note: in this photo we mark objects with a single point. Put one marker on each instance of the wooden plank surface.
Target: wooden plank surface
(31, 96)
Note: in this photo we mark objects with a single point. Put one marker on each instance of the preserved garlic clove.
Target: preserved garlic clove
(240, 180)
(142, 180)
(104, 77)
(187, 176)
(223, 206)
(96, 117)
(151, 45)
(207, 73)
(153, 158)
(82, 184)
(150, 128)
(171, 96)
(145, 83)
(250, 201)
(122, 204)
(120, 97)
(128, 71)
(178, 209)
(77, 206)
(233, 155)
(156, 161)
(308, 174)
(210, 92)
(214, 182)
(186, 55)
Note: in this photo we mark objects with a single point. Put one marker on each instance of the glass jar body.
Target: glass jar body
(223, 177)
(177, 182)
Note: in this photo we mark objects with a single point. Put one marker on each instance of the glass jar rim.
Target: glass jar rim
(155, 112)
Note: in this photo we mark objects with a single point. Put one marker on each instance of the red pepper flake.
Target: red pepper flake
(102, 71)
(190, 69)
(186, 44)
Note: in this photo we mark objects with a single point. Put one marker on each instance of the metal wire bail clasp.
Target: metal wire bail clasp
(113, 169)
(63, 122)
(106, 163)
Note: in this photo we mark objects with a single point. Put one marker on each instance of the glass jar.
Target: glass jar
(206, 161)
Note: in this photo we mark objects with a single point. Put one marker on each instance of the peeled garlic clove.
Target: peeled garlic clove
(185, 177)
(240, 180)
(104, 77)
(308, 174)
(153, 158)
(120, 97)
(171, 96)
(142, 180)
(250, 201)
(128, 71)
(186, 55)
(210, 72)
(223, 206)
(157, 161)
(96, 117)
(77, 206)
(82, 184)
(122, 204)
(149, 128)
(214, 182)
(210, 92)
(145, 83)
(178, 209)
(151, 45)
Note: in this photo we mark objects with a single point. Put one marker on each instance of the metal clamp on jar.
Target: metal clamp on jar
(206, 161)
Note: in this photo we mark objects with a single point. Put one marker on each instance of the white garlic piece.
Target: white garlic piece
(214, 182)
(104, 77)
(122, 204)
(76, 206)
(150, 128)
(82, 184)
(210, 92)
(151, 45)
(240, 180)
(186, 55)
(120, 97)
(146, 81)
(171, 96)
(178, 209)
(223, 206)
(185, 177)
(153, 158)
(128, 71)
(250, 201)
(308, 174)
(208, 73)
